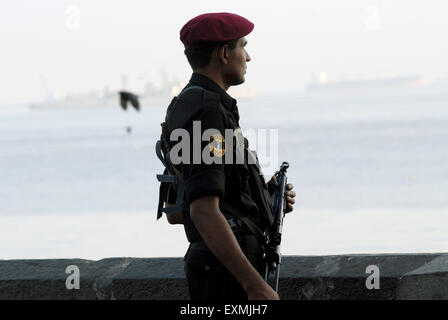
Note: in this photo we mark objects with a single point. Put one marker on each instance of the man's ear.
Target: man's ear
(223, 54)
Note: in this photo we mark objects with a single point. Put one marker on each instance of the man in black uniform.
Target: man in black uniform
(225, 257)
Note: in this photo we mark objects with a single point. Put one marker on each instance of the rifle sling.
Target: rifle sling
(256, 231)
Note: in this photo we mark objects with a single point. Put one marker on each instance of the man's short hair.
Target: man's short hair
(200, 56)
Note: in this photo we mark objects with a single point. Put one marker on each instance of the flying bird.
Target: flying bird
(126, 97)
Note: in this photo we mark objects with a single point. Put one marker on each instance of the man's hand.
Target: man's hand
(290, 195)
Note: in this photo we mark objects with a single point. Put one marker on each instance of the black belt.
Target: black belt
(247, 242)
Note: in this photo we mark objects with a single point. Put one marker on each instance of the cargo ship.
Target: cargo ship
(365, 85)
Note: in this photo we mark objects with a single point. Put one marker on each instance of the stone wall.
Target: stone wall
(401, 276)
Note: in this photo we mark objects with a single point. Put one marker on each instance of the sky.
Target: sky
(76, 46)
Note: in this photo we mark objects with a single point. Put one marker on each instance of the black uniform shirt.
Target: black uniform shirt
(241, 185)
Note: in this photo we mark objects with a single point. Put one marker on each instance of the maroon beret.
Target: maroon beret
(214, 27)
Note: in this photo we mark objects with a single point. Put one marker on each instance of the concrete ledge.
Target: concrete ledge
(402, 276)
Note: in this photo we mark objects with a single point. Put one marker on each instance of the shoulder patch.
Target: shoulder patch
(217, 145)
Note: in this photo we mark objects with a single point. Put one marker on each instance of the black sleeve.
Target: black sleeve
(207, 179)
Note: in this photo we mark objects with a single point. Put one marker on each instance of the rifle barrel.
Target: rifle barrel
(273, 258)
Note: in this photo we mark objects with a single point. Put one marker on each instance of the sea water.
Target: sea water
(370, 173)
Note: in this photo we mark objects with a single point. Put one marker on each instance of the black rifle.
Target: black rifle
(273, 255)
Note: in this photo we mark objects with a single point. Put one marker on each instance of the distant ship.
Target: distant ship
(110, 99)
(364, 85)
(151, 95)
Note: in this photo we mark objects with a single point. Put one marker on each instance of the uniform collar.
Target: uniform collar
(207, 83)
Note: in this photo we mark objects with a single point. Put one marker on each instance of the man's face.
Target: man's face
(235, 70)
